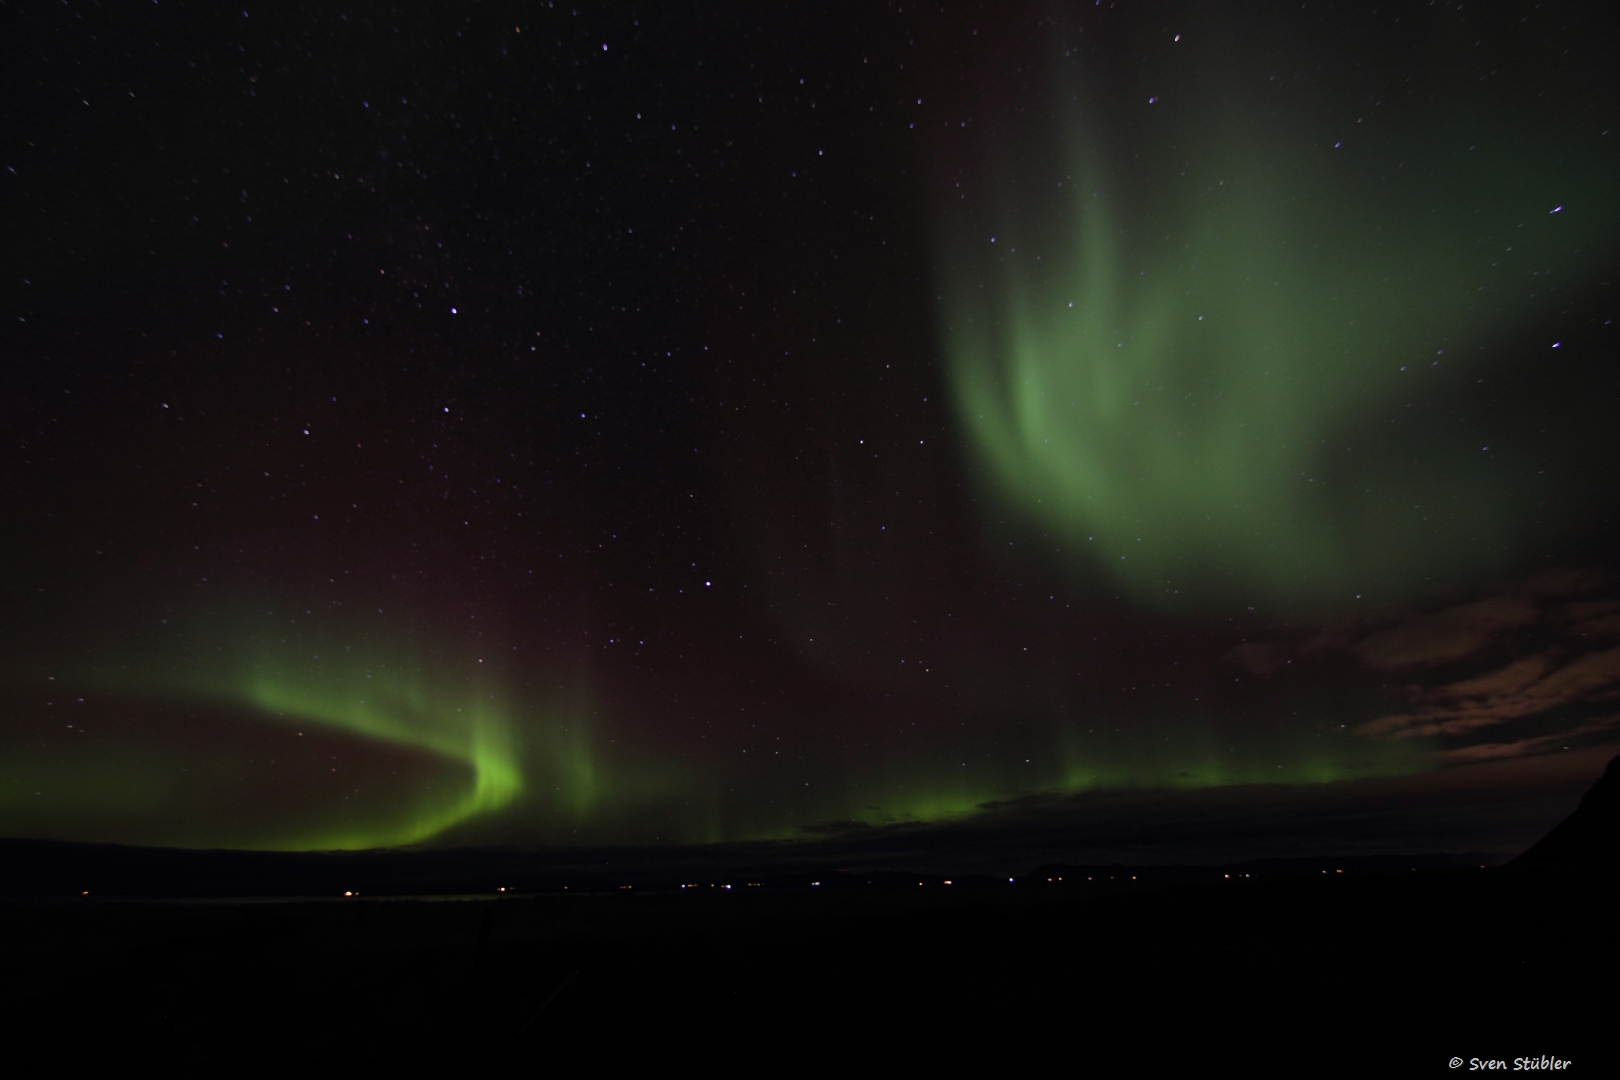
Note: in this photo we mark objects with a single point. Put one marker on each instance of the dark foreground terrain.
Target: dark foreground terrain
(1304, 975)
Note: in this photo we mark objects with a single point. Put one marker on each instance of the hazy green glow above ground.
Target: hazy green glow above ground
(525, 757)
(1140, 755)
(1195, 386)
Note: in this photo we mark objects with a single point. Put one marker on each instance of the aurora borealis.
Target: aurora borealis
(1193, 395)
(553, 428)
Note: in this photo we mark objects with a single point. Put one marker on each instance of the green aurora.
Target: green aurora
(473, 728)
(475, 748)
(493, 752)
(1195, 373)
(530, 752)
(1181, 345)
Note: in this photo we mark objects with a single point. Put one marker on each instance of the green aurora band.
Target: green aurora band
(497, 750)
(519, 764)
(530, 752)
(199, 741)
(473, 729)
(1194, 387)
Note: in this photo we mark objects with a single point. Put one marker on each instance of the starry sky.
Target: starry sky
(1163, 434)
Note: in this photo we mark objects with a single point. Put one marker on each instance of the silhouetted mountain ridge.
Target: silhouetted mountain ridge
(1591, 835)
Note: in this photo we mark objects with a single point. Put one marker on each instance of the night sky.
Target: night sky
(1169, 431)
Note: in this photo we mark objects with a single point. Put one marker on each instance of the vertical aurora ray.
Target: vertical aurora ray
(1191, 367)
(1160, 748)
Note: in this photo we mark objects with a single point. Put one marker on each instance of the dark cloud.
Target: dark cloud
(1599, 618)
(1603, 725)
(1446, 636)
(1524, 688)
(1568, 581)
(1261, 657)
(1530, 670)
